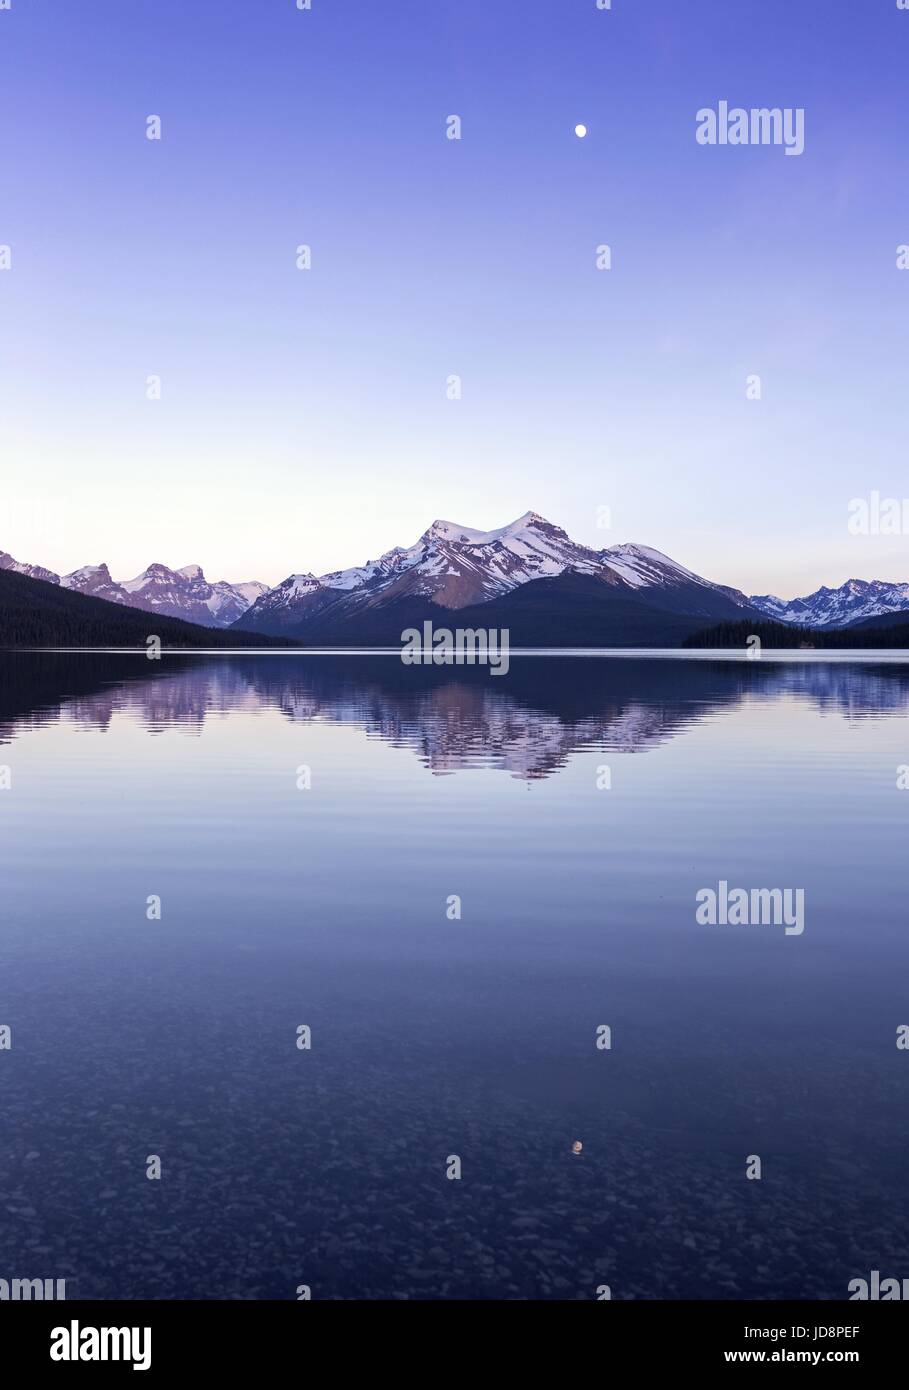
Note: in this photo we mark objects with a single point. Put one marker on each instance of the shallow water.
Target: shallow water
(434, 1037)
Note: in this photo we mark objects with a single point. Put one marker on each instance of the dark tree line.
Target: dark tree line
(782, 635)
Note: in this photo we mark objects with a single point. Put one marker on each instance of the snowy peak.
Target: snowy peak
(852, 602)
(294, 587)
(96, 581)
(456, 566)
(293, 600)
(441, 531)
(30, 571)
(531, 522)
(641, 564)
(87, 573)
(451, 531)
(249, 590)
(297, 584)
(184, 593)
(659, 579)
(155, 574)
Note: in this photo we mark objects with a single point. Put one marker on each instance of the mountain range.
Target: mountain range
(856, 601)
(39, 613)
(184, 593)
(528, 576)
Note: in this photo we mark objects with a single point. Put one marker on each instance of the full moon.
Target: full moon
(580, 131)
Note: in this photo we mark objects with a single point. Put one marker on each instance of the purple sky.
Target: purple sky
(303, 422)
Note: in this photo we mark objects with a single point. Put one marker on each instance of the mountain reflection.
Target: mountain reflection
(527, 723)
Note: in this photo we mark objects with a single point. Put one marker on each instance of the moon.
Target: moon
(580, 131)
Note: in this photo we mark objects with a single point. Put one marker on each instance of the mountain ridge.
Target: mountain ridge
(185, 593)
(457, 574)
(855, 601)
(452, 568)
(37, 613)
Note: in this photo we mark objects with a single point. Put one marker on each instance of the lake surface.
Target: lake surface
(328, 906)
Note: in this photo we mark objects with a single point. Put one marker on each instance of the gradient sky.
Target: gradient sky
(304, 423)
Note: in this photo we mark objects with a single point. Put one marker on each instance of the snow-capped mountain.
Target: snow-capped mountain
(670, 585)
(853, 602)
(184, 593)
(96, 581)
(31, 571)
(456, 567)
(530, 569)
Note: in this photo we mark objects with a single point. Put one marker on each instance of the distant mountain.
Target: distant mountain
(32, 571)
(570, 610)
(42, 613)
(529, 577)
(858, 600)
(94, 580)
(476, 576)
(184, 593)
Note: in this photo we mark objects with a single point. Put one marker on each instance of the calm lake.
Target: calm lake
(307, 823)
